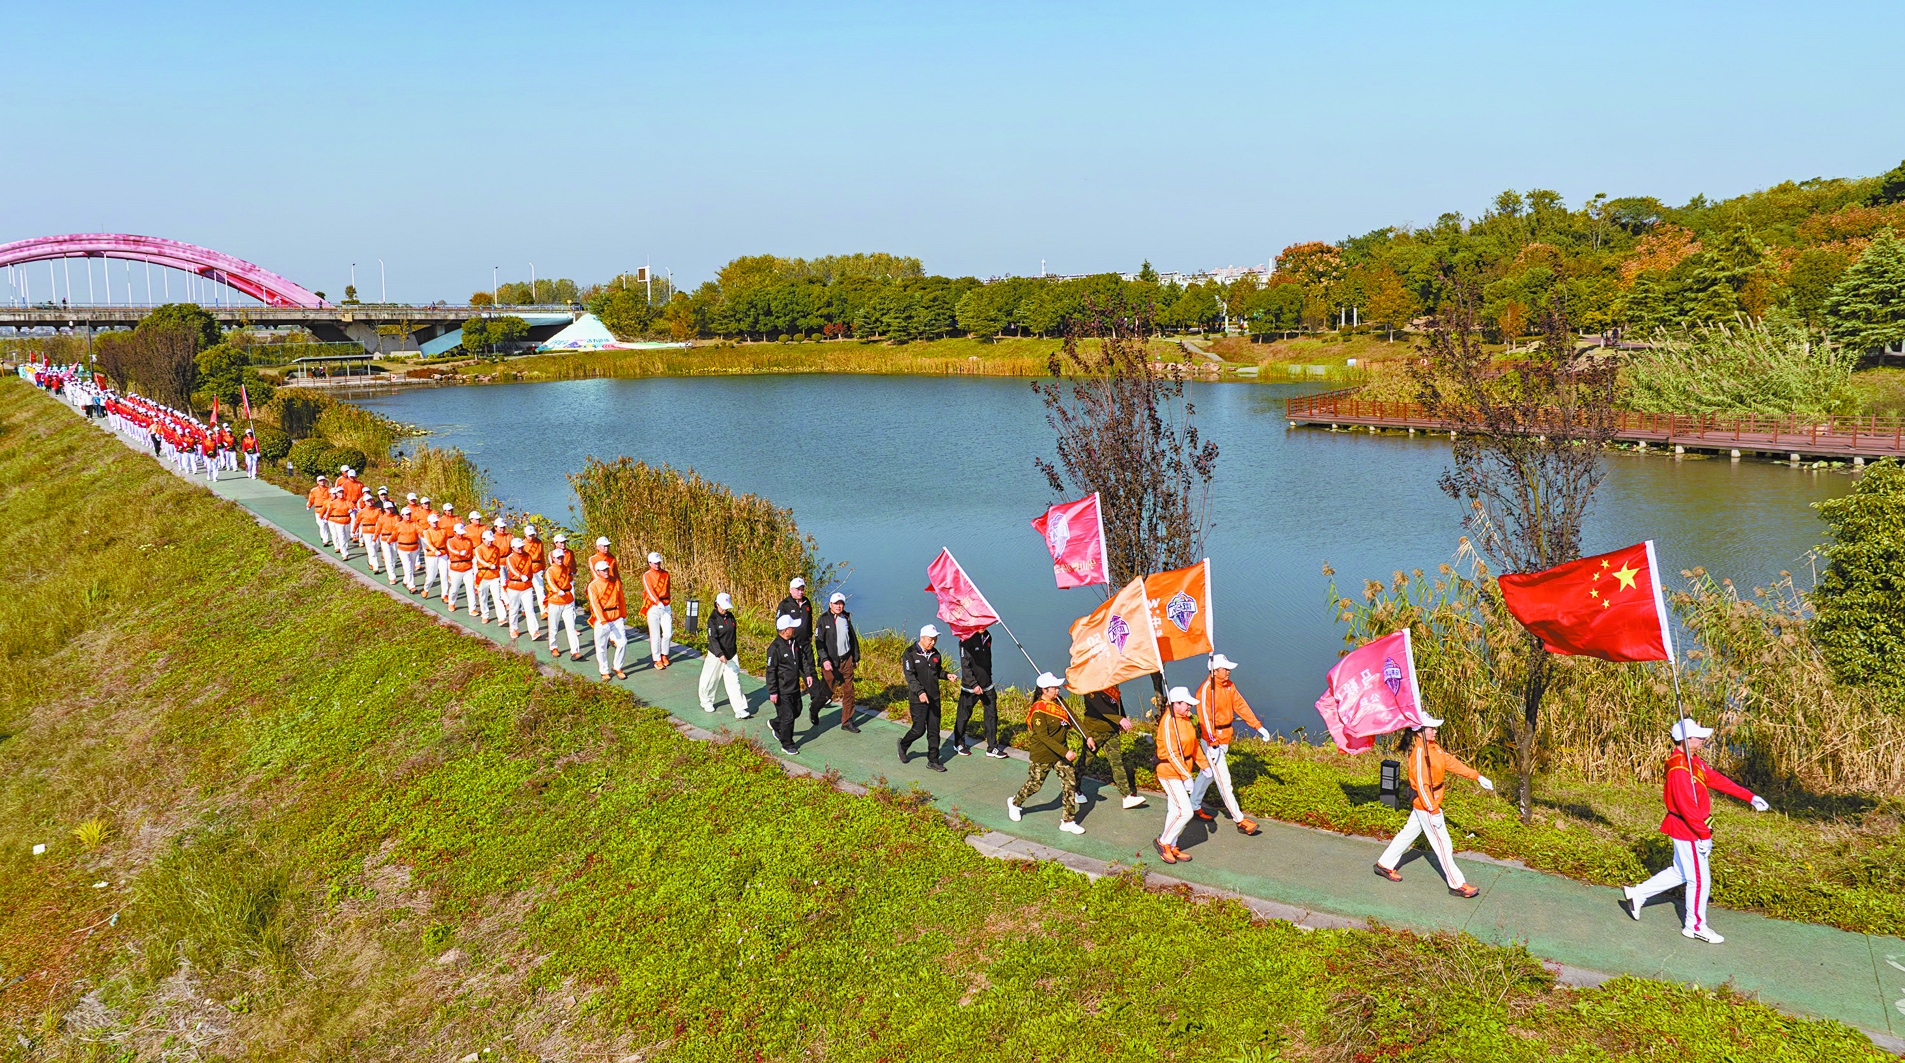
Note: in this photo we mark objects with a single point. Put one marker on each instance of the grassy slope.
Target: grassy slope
(372, 837)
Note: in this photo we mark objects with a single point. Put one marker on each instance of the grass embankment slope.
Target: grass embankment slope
(331, 828)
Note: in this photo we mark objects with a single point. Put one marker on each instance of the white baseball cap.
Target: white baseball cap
(601, 566)
(449, 507)
(426, 499)
(601, 540)
(411, 497)
(498, 522)
(1181, 694)
(529, 529)
(837, 597)
(475, 516)
(654, 558)
(1218, 660)
(434, 518)
(783, 622)
(1428, 720)
(561, 538)
(929, 632)
(320, 478)
(459, 527)
(796, 582)
(1686, 728)
(1047, 679)
(489, 536)
(516, 543)
(723, 601)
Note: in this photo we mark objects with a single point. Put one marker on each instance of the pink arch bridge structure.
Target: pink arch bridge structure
(235, 273)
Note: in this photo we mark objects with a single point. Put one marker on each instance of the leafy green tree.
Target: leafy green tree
(1859, 604)
(984, 311)
(932, 315)
(506, 330)
(1808, 284)
(1147, 274)
(1891, 187)
(1867, 307)
(350, 293)
(1390, 302)
(221, 372)
(190, 316)
(476, 334)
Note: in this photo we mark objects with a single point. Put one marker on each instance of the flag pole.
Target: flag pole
(1015, 641)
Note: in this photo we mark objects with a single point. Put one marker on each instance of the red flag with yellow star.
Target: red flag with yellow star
(1609, 606)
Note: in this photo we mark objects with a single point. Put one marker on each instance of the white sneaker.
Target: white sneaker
(1081, 797)
(1705, 933)
(1071, 828)
(1134, 801)
(1012, 809)
(707, 708)
(1630, 902)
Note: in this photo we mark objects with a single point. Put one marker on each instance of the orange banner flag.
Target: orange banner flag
(1179, 602)
(1115, 643)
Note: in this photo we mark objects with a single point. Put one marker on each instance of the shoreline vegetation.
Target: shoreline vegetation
(291, 817)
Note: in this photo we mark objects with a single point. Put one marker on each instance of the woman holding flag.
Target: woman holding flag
(1049, 726)
(1429, 767)
(1180, 758)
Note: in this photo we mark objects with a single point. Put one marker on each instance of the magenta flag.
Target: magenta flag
(1372, 691)
(1075, 534)
(961, 605)
(245, 397)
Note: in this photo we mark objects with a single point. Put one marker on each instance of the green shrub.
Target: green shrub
(347, 456)
(785, 337)
(1860, 599)
(273, 444)
(312, 457)
(367, 433)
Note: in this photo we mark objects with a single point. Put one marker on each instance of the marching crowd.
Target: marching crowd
(511, 577)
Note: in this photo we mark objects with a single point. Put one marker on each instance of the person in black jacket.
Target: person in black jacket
(923, 676)
(722, 662)
(975, 663)
(838, 647)
(784, 675)
(1104, 724)
(801, 608)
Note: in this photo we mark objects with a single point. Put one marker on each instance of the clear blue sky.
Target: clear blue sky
(979, 136)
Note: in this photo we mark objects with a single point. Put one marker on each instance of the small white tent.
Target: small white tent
(586, 334)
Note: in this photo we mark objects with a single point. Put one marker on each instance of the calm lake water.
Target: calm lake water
(883, 471)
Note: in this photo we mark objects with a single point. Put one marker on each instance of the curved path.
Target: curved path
(1311, 877)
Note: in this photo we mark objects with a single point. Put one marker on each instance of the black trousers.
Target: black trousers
(967, 699)
(925, 724)
(786, 712)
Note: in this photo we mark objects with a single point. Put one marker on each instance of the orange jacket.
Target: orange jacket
(606, 603)
(517, 571)
(408, 535)
(317, 497)
(1179, 755)
(353, 488)
(538, 554)
(615, 569)
(462, 553)
(559, 580)
(387, 528)
(337, 510)
(1428, 764)
(654, 588)
(1218, 706)
(488, 562)
(434, 538)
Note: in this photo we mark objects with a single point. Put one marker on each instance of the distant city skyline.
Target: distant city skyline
(985, 139)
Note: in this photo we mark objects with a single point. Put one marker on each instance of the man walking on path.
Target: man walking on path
(656, 610)
(538, 561)
(489, 567)
(408, 540)
(435, 535)
(1105, 724)
(338, 513)
(559, 596)
(1179, 760)
(801, 608)
(1686, 788)
(924, 673)
(602, 554)
(459, 554)
(250, 446)
(783, 675)
(317, 500)
(1048, 726)
(517, 575)
(1429, 765)
(608, 618)
(722, 662)
(837, 645)
(1219, 706)
(975, 664)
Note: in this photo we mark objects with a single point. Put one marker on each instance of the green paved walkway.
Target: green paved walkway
(1854, 978)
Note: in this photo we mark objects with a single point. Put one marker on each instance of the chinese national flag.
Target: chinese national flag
(1075, 534)
(1114, 643)
(1180, 610)
(1609, 606)
(961, 606)
(214, 409)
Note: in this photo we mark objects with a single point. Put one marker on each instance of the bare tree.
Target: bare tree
(1125, 430)
(167, 361)
(1528, 437)
(114, 355)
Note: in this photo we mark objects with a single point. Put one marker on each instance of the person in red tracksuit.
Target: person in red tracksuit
(1689, 802)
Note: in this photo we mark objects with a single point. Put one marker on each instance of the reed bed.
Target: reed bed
(1749, 669)
(713, 538)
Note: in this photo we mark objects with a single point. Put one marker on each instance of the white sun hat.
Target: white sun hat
(1430, 721)
(722, 601)
(783, 622)
(1218, 660)
(929, 632)
(1047, 679)
(1686, 727)
(601, 540)
(796, 582)
(1181, 694)
(654, 558)
(837, 597)
(516, 544)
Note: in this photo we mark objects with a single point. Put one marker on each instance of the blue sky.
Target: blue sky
(981, 137)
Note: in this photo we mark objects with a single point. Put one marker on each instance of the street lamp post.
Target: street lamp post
(532, 282)
(383, 292)
(492, 284)
(353, 280)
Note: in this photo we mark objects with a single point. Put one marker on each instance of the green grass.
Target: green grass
(373, 837)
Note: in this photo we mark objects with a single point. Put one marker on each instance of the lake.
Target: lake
(885, 470)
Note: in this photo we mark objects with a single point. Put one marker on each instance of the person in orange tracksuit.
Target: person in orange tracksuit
(1219, 704)
(1180, 758)
(386, 527)
(602, 554)
(559, 596)
(353, 487)
(318, 502)
(409, 539)
(459, 554)
(249, 447)
(538, 552)
(1429, 765)
(608, 612)
(364, 528)
(435, 535)
(518, 573)
(489, 566)
(338, 513)
(658, 613)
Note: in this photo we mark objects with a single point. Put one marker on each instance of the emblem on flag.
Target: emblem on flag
(1118, 631)
(1392, 675)
(1180, 609)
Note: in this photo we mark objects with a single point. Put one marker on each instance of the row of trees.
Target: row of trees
(179, 356)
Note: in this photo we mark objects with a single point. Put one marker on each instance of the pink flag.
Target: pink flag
(245, 397)
(1075, 534)
(1372, 691)
(961, 605)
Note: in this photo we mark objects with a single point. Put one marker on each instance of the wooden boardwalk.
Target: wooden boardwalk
(1870, 436)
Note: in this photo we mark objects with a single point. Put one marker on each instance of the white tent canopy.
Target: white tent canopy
(586, 334)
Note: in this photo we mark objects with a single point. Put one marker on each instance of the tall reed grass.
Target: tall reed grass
(713, 539)
(1749, 668)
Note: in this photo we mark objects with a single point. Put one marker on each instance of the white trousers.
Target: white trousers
(536, 588)
(390, 552)
(661, 631)
(324, 530)
(466, 580)
(714, 672)
(560, 614)
(433, 572)
(613, 631)
(1436, 827)
(370, 544)
(251, 464)
(1219, 772)
(341, 538)
(1689, 869)
(499, 597)
(212, 466)
(485, 596)
(408, 559)
(1177, 792)
(521, 601)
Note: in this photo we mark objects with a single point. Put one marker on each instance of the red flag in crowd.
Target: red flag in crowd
(1372, 691)
(214, 409)
(961, 606)
(1609, 606)
(99, 381)
(1075, 534)
(245, 398)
